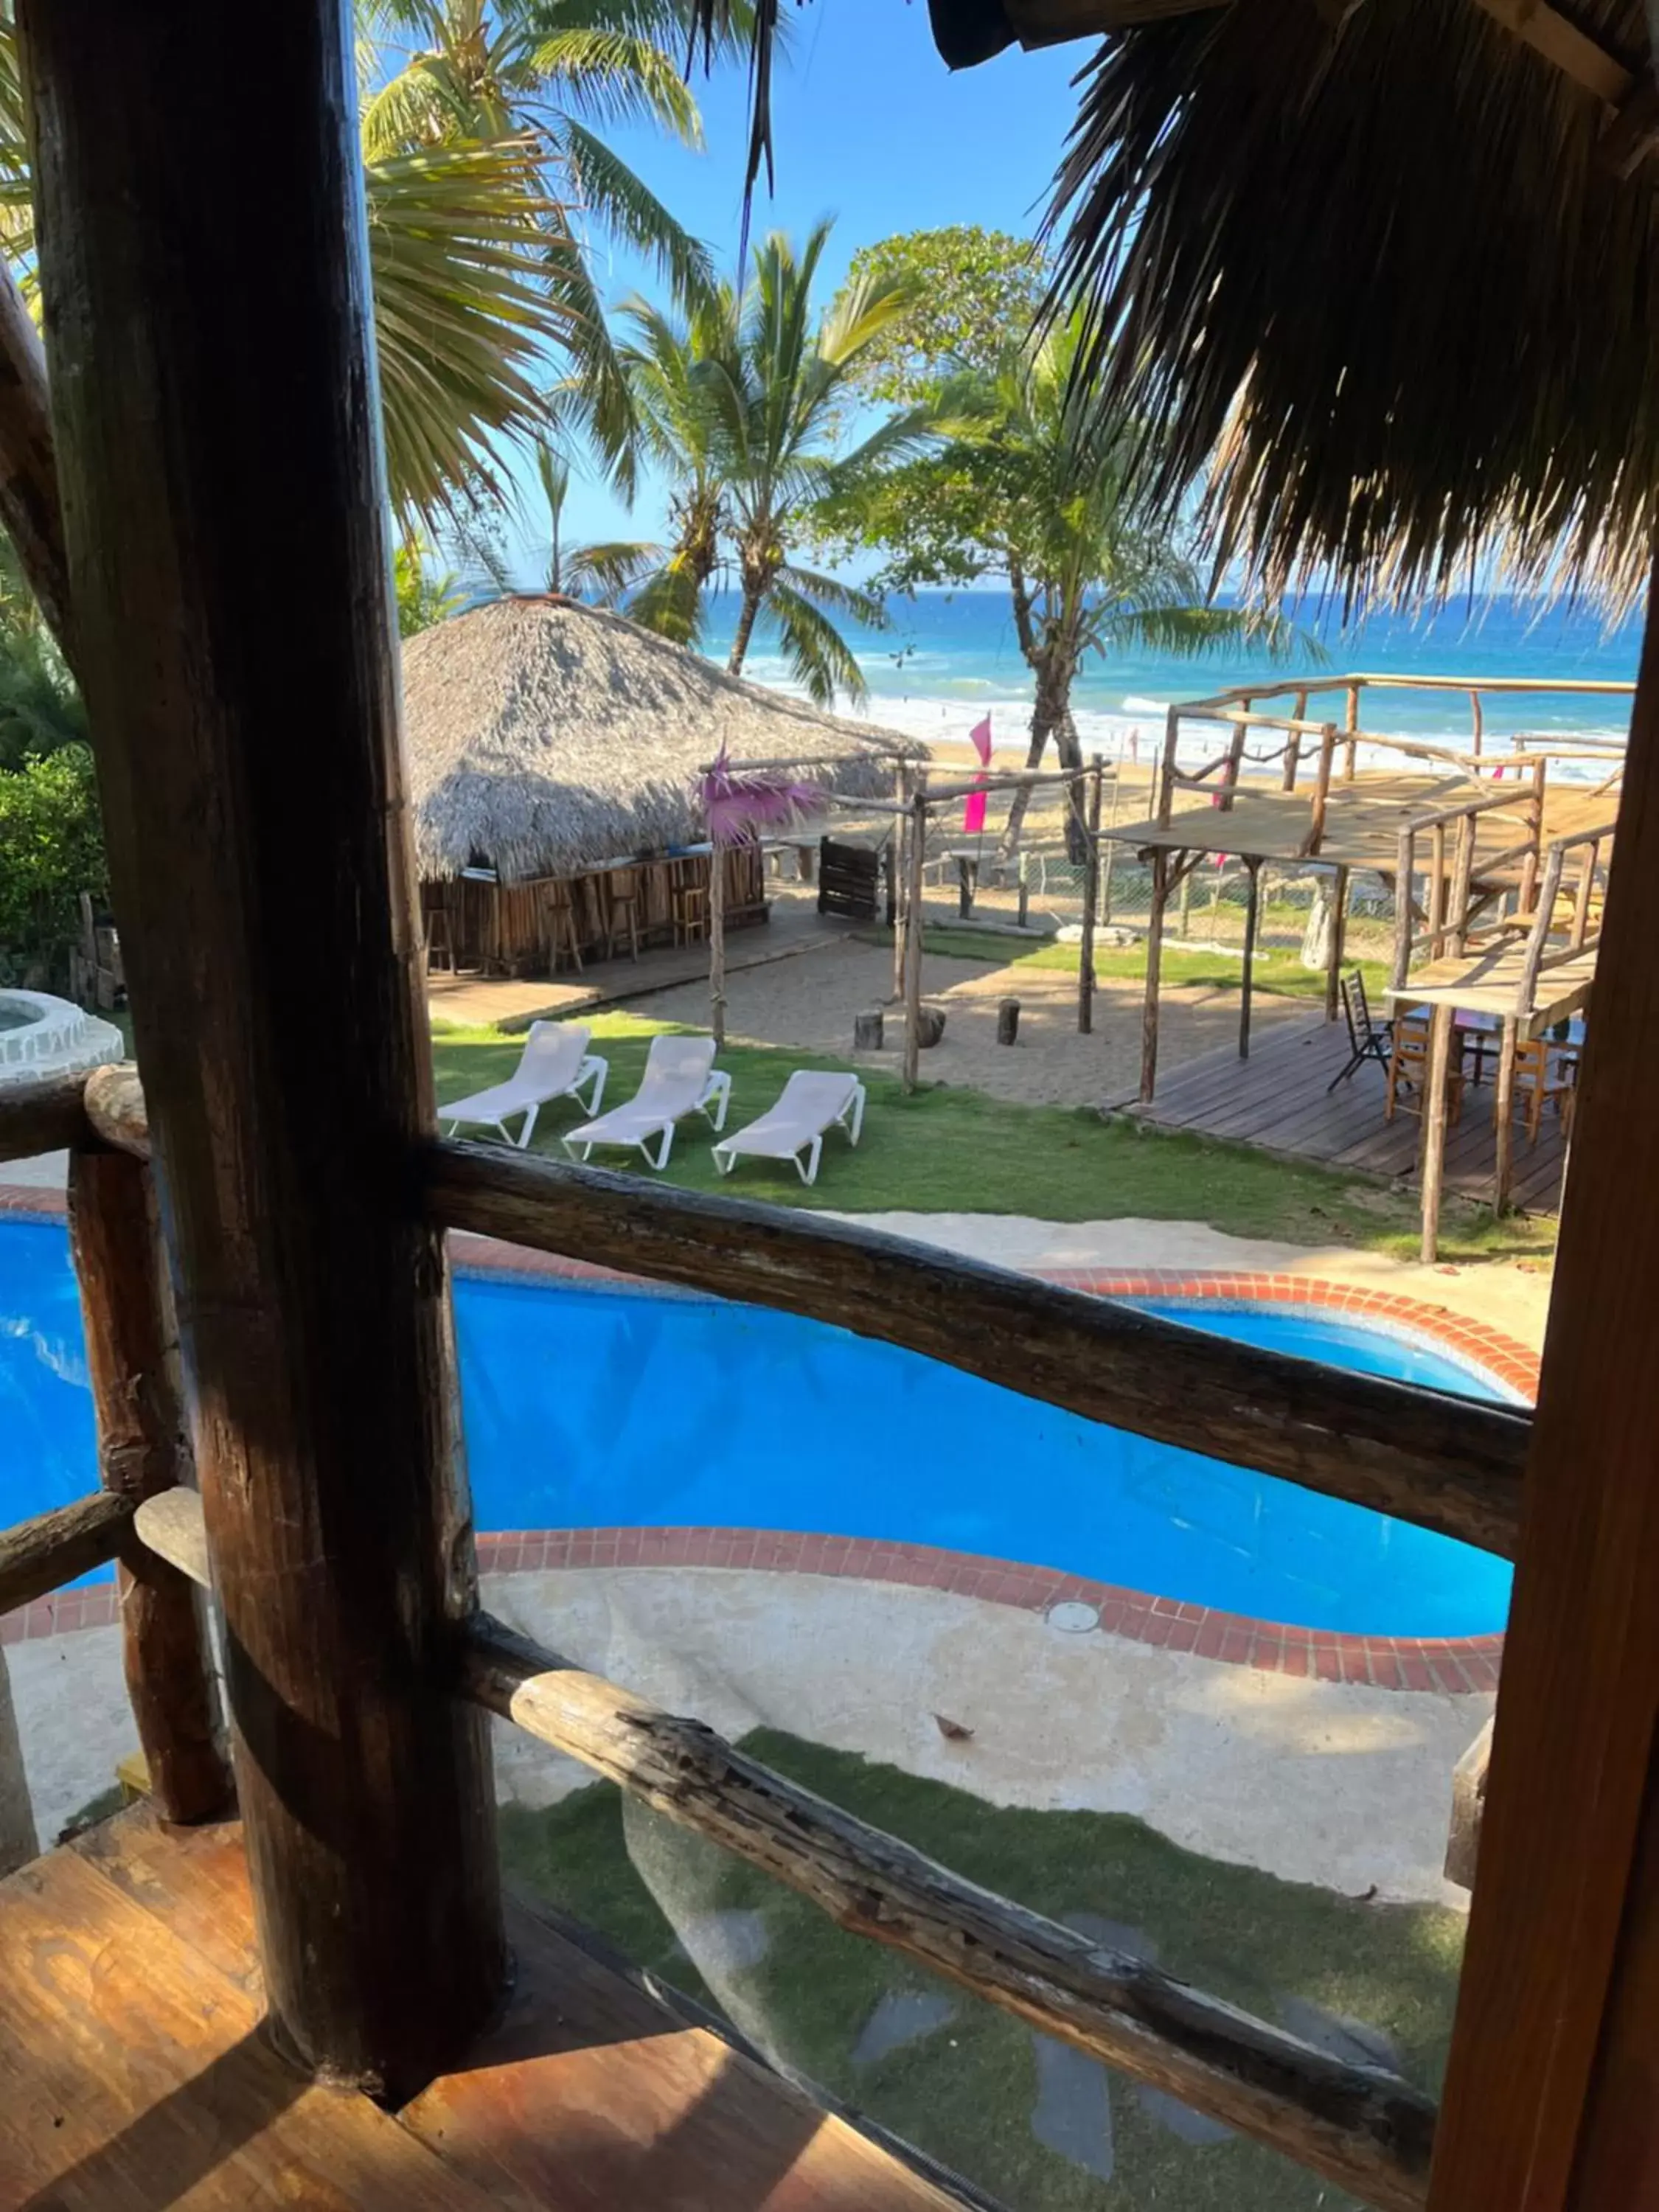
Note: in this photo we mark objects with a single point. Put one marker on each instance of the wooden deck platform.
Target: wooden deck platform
(1277, 1098)
(1489, 982)
(1363, 822)
(133, 2074)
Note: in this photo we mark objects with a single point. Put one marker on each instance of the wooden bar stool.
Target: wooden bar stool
(689, 901)
(623, 912)
(559, 918)
(439, 939)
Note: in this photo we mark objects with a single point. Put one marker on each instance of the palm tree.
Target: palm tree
(665, 363)
(1043, 492)
(541, 75)
(740, 406)
(598, 571)
(779, 396)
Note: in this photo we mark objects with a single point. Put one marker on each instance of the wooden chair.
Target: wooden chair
(1408, 1068)
(559, 916)
(1367, 1039)
(1545, 1075)
(623, 913)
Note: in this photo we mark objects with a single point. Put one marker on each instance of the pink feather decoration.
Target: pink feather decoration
(738, 807)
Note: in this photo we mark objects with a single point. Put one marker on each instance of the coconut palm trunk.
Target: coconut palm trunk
(1051, 717)
(753, 598)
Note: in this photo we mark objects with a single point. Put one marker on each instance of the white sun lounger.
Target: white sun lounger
(556, 1063)
(812, 1105)
(680, 1078)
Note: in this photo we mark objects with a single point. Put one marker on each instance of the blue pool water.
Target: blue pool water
(598, 1408)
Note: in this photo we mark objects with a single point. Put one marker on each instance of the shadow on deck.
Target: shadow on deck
(135, 2075)
(1278, 1099)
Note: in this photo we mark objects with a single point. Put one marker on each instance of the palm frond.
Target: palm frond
(670, 601)
(612, 75)
(814, 650)
(464, 314)
(835, 596)
(625, 204)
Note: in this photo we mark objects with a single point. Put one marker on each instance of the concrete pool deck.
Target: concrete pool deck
(1335, 1784)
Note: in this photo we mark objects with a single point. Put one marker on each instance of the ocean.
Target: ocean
(950, 657)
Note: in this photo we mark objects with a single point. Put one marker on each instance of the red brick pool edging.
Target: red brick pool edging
(1458, 1666)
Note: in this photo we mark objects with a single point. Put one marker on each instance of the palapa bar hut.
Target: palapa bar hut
(554, 755)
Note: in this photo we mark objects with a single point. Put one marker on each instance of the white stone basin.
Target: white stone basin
(43, 1036)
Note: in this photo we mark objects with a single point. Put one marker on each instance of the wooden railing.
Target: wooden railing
(1447, 1464)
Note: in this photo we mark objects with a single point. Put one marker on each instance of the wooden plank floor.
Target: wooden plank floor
(133, 2074)
(1278, 1099)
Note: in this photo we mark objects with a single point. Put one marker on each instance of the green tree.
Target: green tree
(480, 279)
(665, 363)
(742, 406)
(51, 850)
(422, 598)
(41, 708)
(1043, 495)
(974, 294)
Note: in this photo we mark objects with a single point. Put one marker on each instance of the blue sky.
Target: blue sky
(871, 127)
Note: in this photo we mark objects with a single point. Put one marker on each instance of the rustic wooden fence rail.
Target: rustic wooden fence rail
(1450, 1464)
(1361, 2127)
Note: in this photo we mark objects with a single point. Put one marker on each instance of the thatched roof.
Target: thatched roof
(544, 737)
(1388, 264)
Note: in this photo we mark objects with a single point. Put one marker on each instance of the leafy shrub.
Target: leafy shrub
(51, 848)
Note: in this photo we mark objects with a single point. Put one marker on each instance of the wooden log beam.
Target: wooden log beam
(1553, 2083)
(30, 510)
(44, 1115)
(1447, 1464)
(41, 1555)
(142, 1452)
(206, 293)
(1360, 2127)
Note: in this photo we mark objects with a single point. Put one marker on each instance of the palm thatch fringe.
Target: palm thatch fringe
(1387, 270)
(545, 738)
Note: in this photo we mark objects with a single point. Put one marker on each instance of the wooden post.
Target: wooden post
(1085, 967)
(915, 932)
(1350, 723)
(1434, 1127)
(1247, 973)
(1159, 898)
(1322, 790)
(1293, 744)
(1480, 720)
(203, 271)
(1503, 1124)
(1007, 1021)
(1405, 868)
(901, 882)
(1337, 941)
(717, 942)
(142, 1449)
(1550, 2103)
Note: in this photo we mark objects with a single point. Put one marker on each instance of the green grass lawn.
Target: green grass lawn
(966, 2091)
(945, 1150)
(1275, 969)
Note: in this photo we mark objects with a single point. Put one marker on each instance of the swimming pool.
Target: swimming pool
(603, 1406)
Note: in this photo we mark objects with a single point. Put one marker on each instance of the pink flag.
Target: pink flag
(973, 812)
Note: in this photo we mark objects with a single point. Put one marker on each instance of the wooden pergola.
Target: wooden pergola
(212, 434)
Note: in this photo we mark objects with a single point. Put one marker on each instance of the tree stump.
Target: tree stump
(930, 1025)
(1007, 1021)
(867, 1030)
